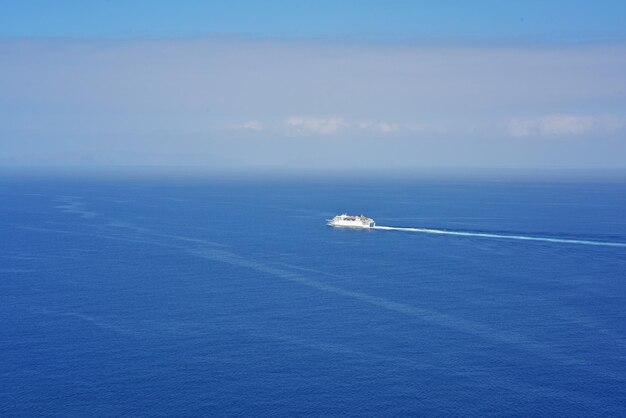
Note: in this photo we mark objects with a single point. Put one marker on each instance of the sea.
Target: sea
(193, 296)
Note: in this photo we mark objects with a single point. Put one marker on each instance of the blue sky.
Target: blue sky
(284, 85)
(557, 20)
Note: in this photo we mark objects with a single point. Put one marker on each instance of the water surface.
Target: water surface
(232, 298)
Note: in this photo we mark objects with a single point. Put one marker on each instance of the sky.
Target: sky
(313, 85)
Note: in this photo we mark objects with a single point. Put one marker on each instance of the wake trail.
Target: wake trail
(504, 236)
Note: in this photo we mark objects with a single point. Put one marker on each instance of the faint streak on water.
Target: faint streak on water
(457, 324)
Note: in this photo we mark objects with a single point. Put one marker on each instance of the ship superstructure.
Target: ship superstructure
(352, 221)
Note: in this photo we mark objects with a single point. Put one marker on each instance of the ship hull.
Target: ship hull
(350, 224)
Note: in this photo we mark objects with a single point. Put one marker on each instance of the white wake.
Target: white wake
(504, 236)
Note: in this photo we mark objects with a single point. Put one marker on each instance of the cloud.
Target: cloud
(327, 126)
(519, 128)
(380, 127)
(561, 125)
(315, 125)
(251, 125)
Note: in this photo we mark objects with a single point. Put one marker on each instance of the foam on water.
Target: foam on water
(504, 236)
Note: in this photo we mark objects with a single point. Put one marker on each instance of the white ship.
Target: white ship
(350, 221)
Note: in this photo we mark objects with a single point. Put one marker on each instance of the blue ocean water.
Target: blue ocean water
(196, 297)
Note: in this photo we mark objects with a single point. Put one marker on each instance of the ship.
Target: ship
(351, 221)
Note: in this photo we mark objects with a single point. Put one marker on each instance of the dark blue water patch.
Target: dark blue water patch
(197, 298)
